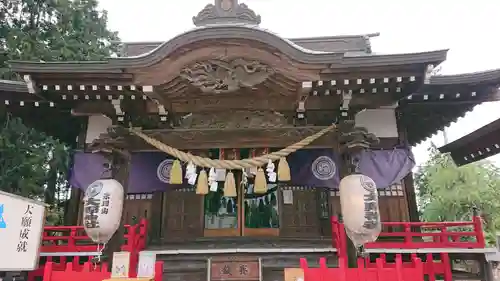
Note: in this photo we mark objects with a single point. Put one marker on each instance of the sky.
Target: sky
(466, 28)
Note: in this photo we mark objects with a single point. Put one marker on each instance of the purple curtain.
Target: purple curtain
(314, 168)
(150, 171)
(386, 167)
(87, 168)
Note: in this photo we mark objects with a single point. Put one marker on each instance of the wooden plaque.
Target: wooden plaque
(235, 268)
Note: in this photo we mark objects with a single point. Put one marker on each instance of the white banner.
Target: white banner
(21, 228)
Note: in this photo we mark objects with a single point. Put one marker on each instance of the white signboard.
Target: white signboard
(21, 228)
(146, 265)
(121, 265)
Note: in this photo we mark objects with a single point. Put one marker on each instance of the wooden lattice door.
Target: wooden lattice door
(182, 218)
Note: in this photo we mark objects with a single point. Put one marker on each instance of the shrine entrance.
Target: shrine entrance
(248, 214)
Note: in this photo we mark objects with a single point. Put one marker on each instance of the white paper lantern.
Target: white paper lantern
(102, 209)
(360, 211)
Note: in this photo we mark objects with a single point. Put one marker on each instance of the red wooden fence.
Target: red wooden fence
(87, 272)
(432, 268)
(417, 235)
(413, 271)
(74, 239)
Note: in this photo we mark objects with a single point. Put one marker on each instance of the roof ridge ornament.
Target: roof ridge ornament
(226, 12)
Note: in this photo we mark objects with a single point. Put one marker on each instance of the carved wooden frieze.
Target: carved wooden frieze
(233, 120)
(190, 139)
(219, 76)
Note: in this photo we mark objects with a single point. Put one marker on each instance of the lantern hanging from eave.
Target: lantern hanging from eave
(360, 210)
(102, 209)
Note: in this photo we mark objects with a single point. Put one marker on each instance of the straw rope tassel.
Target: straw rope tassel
(202, 184)
(284, 170)
(260, 183)
(230, 185)
(231, 164)
(176, 172)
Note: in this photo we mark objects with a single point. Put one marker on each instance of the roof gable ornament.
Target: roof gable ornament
(226, 12)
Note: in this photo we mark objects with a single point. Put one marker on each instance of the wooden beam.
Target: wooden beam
(189, 139)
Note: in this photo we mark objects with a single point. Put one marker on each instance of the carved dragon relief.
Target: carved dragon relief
(219, 76)
(239, 119)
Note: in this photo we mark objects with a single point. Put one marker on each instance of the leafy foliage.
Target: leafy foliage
(33, 164)
(449, 193)
(53, 30)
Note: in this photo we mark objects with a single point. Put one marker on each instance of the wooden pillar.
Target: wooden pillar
(72, 209)
(120, 167)
(156, 221)
(408, 181)
(486, 269)
(352, 141)
(345, 170)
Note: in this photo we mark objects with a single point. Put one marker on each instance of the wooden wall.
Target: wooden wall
(393, 204)
(138, 206)
(180, 212)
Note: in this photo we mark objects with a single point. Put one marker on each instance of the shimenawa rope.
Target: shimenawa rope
(231, 164)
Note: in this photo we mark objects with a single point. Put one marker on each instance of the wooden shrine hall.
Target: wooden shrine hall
(228, 90)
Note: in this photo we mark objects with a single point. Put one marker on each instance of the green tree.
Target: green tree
(54, 30)
(31, 163)
(449, 193)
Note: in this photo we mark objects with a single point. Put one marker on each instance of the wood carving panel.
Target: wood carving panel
(247, 102)
(242, 138)
(233, 120)
(190, 139)
(220, 76)
(168, 69)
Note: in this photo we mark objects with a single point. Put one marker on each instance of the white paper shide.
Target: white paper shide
(360, 210)
(103, 204)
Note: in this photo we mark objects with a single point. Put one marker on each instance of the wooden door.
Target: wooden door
(137, 207)
(300, 216)
(222, 215)
(261, 212)
(182, 216)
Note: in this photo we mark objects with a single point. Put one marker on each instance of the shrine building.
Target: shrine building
(228, 89)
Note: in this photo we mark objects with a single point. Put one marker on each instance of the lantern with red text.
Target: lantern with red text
(360, 210)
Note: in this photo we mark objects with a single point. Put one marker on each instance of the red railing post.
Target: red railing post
(71, 240)
(143, 234)
(478, 229)
(335, 240)
(159, 271)
(47, 272)
(443, 235)
(408, 237)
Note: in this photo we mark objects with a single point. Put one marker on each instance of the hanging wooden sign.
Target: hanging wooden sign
(235, 268)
